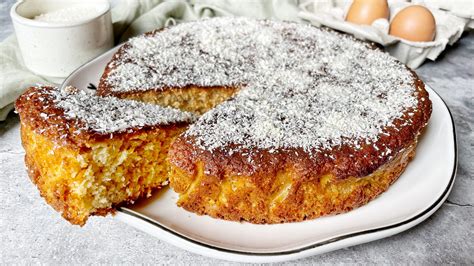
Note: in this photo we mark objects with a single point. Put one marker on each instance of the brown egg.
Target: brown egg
(366, 11)
(414, 23)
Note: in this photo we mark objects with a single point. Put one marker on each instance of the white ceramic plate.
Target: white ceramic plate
(417, 194)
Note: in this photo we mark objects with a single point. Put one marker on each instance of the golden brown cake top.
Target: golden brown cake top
(77, 115)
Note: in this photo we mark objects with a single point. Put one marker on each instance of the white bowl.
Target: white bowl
(55, 49)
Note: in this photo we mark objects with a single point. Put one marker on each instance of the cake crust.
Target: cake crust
(284, 196)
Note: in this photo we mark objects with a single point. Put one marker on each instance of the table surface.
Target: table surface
(31, 231)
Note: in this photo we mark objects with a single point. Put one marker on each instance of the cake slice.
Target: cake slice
(88, 154)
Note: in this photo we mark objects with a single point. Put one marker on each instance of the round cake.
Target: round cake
(298, 121)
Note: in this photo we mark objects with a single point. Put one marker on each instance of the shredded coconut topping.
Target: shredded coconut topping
(301, 86)
(112, 115)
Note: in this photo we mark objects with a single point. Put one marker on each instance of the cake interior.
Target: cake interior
(81, 181)
(192, 99)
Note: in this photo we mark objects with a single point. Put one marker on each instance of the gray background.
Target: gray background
(31, 231)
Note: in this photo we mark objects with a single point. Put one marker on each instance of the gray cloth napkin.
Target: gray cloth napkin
(134, 17)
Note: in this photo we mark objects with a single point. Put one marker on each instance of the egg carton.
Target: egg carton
(460, 8)
(332, 13)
